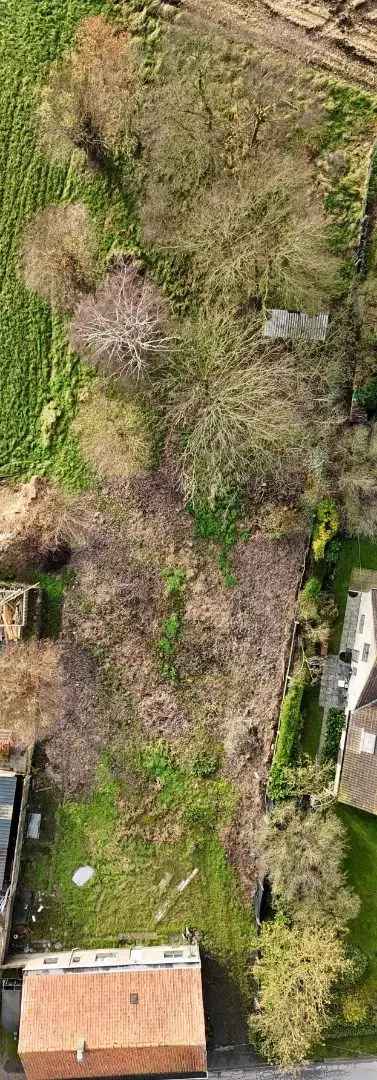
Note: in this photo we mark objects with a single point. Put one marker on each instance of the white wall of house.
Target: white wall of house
(364, 651)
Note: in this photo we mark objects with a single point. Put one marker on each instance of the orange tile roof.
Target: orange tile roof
(163, 1033)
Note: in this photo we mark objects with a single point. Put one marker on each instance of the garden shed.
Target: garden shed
(295, 324)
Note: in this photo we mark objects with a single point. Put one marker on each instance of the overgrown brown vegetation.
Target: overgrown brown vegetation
(257, 229)
(29, 683)
(57, 257)
(303, 854)
(90, 98)
(113, 435)
(37, 521)
(236, 405)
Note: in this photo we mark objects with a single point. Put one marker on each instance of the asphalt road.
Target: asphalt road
(230, 1065)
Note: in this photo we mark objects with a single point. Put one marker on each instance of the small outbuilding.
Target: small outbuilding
(292, 325)
(120, 1012)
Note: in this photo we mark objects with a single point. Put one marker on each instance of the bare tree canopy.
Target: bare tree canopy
(58, 254)
(123, 325)
(91, 95)
(233, 403)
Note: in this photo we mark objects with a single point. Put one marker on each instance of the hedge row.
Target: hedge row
(334, 726)
(287, 743)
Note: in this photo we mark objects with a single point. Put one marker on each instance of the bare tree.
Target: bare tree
(123, 325)
(297, 974)
(58, 254)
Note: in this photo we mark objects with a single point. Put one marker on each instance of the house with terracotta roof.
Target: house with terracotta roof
(121, 1012)
(356, 774)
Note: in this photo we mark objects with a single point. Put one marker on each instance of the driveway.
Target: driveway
(242, 1065)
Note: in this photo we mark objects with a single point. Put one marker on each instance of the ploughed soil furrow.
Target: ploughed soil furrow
(339, 36)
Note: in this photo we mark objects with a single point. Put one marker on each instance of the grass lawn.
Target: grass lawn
(362, 870)
(312, 714)
(142, 844)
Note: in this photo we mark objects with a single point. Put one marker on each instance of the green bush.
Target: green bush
(367, 396)
(308, 600)
(334, 727)
(287, 743)
(326, 526)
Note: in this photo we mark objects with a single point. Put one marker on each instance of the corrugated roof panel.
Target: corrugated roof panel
(295, 324)
(8, 784)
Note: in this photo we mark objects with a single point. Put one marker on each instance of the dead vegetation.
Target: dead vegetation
(123, 326)
(57, 257)
(91, 95)
(113, 435)
(38, 523)
(29, 690)
(229, 657)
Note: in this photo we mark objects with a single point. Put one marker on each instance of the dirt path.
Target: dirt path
(339, 36)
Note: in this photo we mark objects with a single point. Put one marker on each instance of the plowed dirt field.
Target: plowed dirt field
(336, 35)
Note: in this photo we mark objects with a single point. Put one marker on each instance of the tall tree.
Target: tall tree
(303, 855)
(296, 974)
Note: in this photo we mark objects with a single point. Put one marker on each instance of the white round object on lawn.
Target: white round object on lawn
(83, 875)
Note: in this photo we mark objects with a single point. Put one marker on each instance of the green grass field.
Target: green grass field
(36, 367)
(142, 843)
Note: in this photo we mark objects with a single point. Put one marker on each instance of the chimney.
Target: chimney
(80, 1050)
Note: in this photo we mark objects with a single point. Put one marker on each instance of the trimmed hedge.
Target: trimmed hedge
(287, 742)
(334, 727)
(326, 526)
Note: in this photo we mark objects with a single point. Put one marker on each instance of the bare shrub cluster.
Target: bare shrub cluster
(256, 236)
(258, 228)
(356, 460)
(122, 326)
(29, 681)
(297, 973)
(91, 94)
(234, 404)
(58, 253)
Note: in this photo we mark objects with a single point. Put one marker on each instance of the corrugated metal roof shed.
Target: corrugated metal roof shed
(295, 324)
(8, 783)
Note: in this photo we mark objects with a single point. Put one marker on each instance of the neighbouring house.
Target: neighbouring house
(295, 324)
(117, 1012)
(356, 774)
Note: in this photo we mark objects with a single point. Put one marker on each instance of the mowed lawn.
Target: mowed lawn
(36, 367)
(361, 827)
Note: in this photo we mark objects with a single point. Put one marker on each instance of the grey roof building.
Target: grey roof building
(8, 784)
